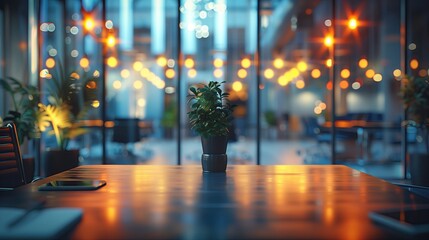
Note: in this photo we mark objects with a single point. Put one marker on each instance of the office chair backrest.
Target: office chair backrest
(126, 130)
(11, 166)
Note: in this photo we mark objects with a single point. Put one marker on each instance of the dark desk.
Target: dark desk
(311, 202)
(364, 130)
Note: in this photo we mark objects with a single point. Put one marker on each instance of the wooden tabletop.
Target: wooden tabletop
(288, 202)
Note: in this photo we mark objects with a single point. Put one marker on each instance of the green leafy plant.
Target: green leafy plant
(415, 95)
(210, 111)
(69, 101)
(270, 118)
(23, 111)
(169, 118)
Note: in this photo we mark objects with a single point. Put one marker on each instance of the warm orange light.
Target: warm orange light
(315, 73)
(170, 73)
(237, 86)
(189, 63)
(91, 85)
(302, 66)
(218, 63)
(300, 84)
(88, 23)
(74, 75)
(278, 63)
(50, 63)
(269, 73)
(322, 105)
(84, 62)
(111, 41)
(245, 63)
(242, 73)
(363, 63)
(192, 73)
(353, 23)
(345, 73)
(328, 41)
(329, 85)
(344, 84)
(414, 64)
(161, 61)
(218, 73)
(369, 73)
(377, 77)
(423, 73)
(329, 62)
(112, 62)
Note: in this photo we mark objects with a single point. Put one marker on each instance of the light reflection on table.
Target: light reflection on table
(330, 202)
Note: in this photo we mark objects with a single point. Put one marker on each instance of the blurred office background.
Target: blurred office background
(291, 66)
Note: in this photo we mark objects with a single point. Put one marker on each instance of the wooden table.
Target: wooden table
(288, 202)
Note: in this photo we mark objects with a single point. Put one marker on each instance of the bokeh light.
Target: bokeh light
(117, 84)
(377, 77)
(414, 64)
(237, 86)
(268, 73)
(125, 73)
(170, 73)
(315, 73)
(245, 63)
(345, 73)
(242, 73)
(302, 66)
(363, 63)
(278, 63)
(50, 63)
(369, 73)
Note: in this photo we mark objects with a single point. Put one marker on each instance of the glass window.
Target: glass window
(293, 68)
(217, 46)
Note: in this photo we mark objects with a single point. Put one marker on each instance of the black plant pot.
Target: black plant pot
(419, 168)
(57, 161)
(214, 158)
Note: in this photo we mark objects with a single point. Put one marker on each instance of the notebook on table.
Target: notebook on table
(47, 223)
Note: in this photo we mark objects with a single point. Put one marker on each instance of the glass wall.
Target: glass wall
(216, 46)
(368, 51)
(296, 64)
(416, 64)
(315, 82)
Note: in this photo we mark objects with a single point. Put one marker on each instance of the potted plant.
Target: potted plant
(415, 95)
(69, 100)
(169, 119)
(210, 116)
(271, 120)
(23, 113)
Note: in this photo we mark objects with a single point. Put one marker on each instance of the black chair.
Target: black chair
(126, 130)
(12, 172)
